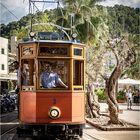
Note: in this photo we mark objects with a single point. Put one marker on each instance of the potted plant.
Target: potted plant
(121, 96)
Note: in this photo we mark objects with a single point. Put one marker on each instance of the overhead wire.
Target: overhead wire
(61, 28)
(33, 2)
(9, 11)
(34, 6)
(43, 6)
(61, 13)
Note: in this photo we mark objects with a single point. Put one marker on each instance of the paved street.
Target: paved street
(131, 116)
(113, 135)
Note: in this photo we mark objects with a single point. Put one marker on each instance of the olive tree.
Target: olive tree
(125, 55)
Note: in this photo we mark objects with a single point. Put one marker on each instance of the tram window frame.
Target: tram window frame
(52, 62)
(78, 74)
(28, 72)
(78, 52)
(53, 53)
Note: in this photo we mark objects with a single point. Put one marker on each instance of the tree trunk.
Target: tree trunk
(111, 96)
(125, 56)
(93, 108)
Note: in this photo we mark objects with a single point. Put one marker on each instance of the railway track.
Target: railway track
(11, 135)
(8, 117)
(8, 126)
(8, 135)
(9, 123)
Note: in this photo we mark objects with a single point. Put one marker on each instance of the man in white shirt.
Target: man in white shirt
(50, 79)
(129, 99)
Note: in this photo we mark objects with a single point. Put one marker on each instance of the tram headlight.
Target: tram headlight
(54, 112)
(32, 34)
(74, 35)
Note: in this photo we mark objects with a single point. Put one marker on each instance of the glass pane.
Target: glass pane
(78, 72)
(47, 51)
(53, 74)
(27, 73)
(78, 52)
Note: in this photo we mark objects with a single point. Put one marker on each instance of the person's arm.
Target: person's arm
(61, 83)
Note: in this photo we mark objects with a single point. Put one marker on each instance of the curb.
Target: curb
(115, 128)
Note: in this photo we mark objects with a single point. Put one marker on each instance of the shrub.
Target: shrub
(101, 94)
(121, 95)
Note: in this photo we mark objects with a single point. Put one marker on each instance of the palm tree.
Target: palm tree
(85, 15)
(91, 29)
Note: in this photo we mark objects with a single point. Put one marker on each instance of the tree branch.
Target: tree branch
(90, 76)
(113, 50)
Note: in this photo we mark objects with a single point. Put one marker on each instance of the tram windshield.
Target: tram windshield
(53, 74)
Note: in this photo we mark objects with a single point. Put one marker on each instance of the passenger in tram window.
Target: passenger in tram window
(25, 74)
(50, 78)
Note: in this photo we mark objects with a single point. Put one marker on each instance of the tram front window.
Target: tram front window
(54, 74)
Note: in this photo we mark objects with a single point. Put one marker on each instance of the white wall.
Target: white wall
(4, 57)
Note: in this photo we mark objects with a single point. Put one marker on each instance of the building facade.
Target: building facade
(5, 76)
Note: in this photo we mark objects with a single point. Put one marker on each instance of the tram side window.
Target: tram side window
(78, 73)
(53, 74)
(27, 72)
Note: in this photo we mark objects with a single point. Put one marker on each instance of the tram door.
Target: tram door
(27, 67)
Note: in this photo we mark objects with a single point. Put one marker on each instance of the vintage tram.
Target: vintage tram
(52, 110)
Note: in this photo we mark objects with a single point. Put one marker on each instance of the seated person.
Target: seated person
(50, 79)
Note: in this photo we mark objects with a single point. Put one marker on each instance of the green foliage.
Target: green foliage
(111, 67)
(101, 94)
(10, 85)
(134, 70)
(124, 19)
(121, 95)
(20, 28)
(119, 19)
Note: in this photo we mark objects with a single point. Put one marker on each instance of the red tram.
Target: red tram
(56, 108)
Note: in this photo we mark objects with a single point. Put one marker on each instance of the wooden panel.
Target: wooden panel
(28, 50)
(45, 102)
(78, 105)
(28, 107)
(35, 107)
(84, 76)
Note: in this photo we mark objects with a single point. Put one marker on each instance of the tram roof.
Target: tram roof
(53, 41)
